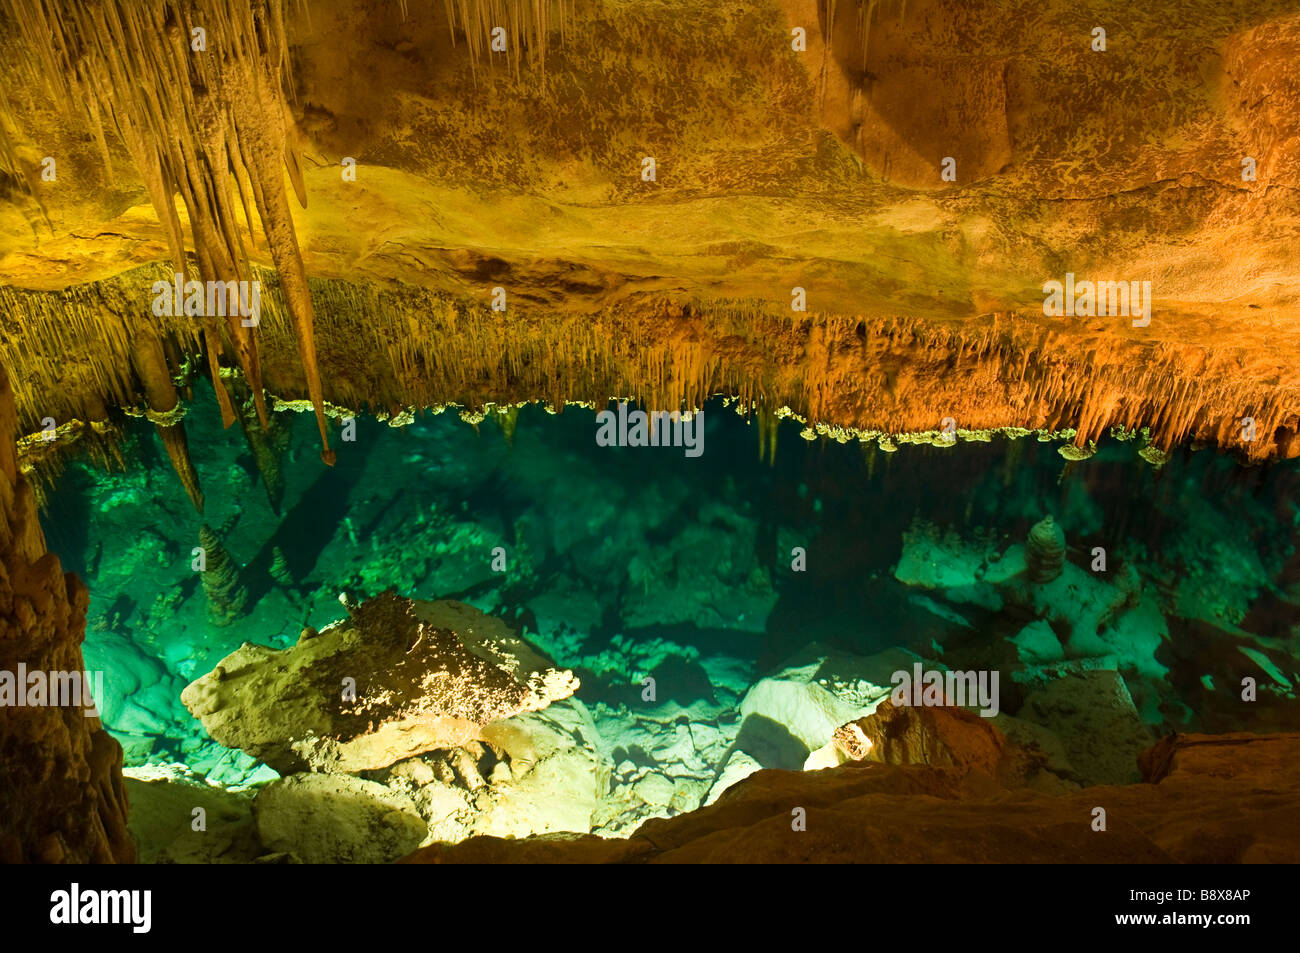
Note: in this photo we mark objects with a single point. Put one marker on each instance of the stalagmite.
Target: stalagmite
(280, 567)
(1045, 551)
(226, 594)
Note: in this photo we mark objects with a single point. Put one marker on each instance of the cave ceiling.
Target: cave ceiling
(919, 170)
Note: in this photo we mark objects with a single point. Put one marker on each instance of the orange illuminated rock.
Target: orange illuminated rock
(936, 736)
(924, 291)
(61, 793)
(1221, 799)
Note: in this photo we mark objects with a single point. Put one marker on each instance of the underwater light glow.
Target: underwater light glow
(701, 606)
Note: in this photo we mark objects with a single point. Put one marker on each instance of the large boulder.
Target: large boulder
(393, 680)
(537, 773)
(557, 773)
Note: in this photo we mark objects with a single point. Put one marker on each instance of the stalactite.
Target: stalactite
(208, 118)
(525, 21)
(33, 208)
(164, 403)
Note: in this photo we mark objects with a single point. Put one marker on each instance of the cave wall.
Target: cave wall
(61, 792)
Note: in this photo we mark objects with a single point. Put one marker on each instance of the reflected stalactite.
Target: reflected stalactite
(268, 441)
(507, 419)
(1015, 450)
(427, 350)
(768, 429)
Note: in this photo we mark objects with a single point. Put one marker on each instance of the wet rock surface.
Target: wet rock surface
(61, 790)
(877, 813)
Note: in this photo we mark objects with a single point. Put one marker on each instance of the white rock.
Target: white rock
(827, 756)
(806, 710)
(1037, 643)
(738, 767)
(654, 789)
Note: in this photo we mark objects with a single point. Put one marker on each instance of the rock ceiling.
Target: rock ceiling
(919, 169)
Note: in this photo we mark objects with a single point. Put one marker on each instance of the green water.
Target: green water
(626, 562)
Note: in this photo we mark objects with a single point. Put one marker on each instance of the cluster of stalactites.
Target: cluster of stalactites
(527, 24)
(196, 91)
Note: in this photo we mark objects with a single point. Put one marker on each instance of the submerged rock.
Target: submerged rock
(797, 709)
(165, 804)
(1094, 716)
(336, 818)
(1045, 551)
(395, 679)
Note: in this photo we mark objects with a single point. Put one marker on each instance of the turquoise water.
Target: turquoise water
(626, 562)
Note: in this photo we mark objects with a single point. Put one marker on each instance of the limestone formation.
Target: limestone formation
(394, 679)
(905, 324)
(226, 594)
(939, 170)
(1045, 551)
(1216, 799)
(852, 741)
(935, 736)
(61, 793)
